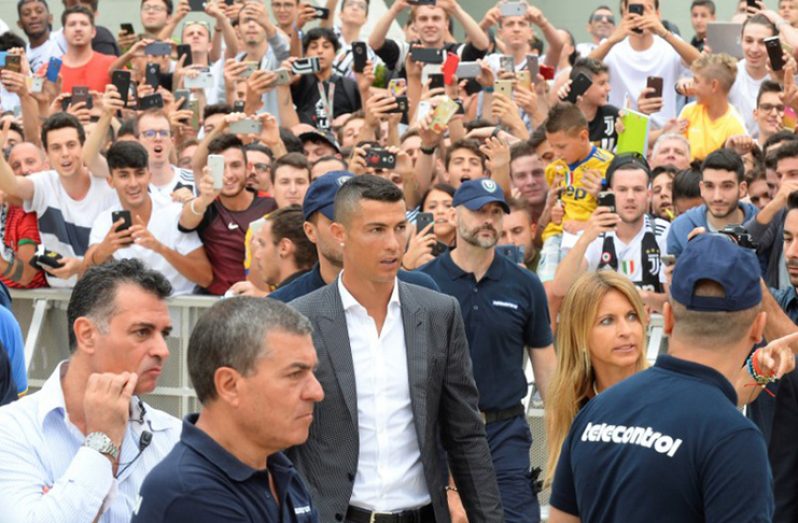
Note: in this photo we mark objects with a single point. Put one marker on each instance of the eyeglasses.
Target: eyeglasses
(152, 133)
(153, 8)
(769, 107)
(262, 167)
(603, 18)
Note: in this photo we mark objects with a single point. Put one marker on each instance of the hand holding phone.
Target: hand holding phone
(125, 216)
(216, 168)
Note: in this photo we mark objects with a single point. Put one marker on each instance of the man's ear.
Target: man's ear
(310, 232)
(85, 335)
(227, 382)
(338, 232)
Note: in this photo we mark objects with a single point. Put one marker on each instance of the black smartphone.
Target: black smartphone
(122, 215)
(421, 2)
(752, 4)
(121, 80)
(513, 252)
(158, 49)
(80, 93)
(182, 96)
(422, 220)
(197, 5)
(401, 105)
(127, 28)
(579, 85)
(654, 82)
(65, 102)
(152, 75)
(184, 50)
(379, 158)
(427, 55)
(13, 63)
(436, 80)
(46, 257)
(359, 56)
(238, 106)
(637, 9)
(606, 199)
(153, 101)
(322, 13)
(775, 53)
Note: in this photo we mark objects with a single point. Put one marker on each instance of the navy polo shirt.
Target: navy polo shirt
(312, 280)
(201, 482)
(665, 444)
(503, 313)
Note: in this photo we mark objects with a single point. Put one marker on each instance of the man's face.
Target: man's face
(265, 255)
(135, 338)
(277, 398)
(721, 192)
(374, 240)
(759, 193)
(319, 231)
(528, 174)
(252, 33)
(25, 158)
(155, 136)
(350, 132)
(519, 230)
(791, 245)
(235, 172)
(197, 36)
(480, 228)
(515, 31)
(700, 16)
(259, 171)
(662, 196)
(431, 25)
(788, 11)
(569, 147)
(411, 147)
(316, 150)
(290, 185)
(64, 151)
(545, 152)
(599, 91)
(769, 114)
(602, 24)
(325, 50)
(704, 88)
(131, 186)
(354, 12)
(631, 194)
(787, 170)
(153, 15)
(753, 44)
(212, 122)
(672, 152)
(186, 157)
(285, 12)
(464, 165)
(78, 31)
(34, 19)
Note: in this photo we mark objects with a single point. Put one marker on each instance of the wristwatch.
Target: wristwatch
(102, 444)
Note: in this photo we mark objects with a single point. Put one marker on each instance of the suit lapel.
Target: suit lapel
(415, 327)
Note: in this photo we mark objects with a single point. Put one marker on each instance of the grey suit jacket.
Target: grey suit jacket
(443, 398)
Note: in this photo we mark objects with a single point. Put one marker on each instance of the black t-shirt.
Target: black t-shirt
(8, 389)
(309, 108)
(104, 42)
(602, 128)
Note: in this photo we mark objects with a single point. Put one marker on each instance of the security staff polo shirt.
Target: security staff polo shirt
(503, 313)
(201, 482)
(666, 444)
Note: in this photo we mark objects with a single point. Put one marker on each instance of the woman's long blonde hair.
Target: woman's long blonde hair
(573, 379)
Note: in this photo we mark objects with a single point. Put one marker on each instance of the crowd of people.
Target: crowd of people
(392, 227)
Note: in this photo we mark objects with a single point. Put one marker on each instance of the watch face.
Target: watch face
(102, 444)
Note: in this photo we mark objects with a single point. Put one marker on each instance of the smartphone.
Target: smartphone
(514, 253)
(654, 82)
(401, 105)
(283, 77)
(238, 106)
(379, 158)
(532, 65)
(637, 9)
(184, 50)
(80, 93)
(607, 199)
(752, 4)
(203, 80)
(442, 113)
(579, 85)
(435, 81)
(127, 28)
(546, 71)
(152, 75)
(44, 256)
(359, 56)
(246, 126)
(153, 101)
(421, 2)
(775, 53)
(504, 87)
(427, 55)
(122, 215)
(193, 106)
(197, 5)
(449, 68)
(158, 49)
(216, 167)
(121, 80)
(507, 63)
(322, 13)
(397, 86)
(422, 220)
(513, 9)
(468, 70)
(524, 79)
(53, 68)
(252, 66)
(13, 63)
(306, 65)
(35, 84)
(182, 96)
(65, 102)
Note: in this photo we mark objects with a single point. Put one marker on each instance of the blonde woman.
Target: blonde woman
(600, 341)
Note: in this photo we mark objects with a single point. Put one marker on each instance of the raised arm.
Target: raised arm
(111, 102)
(550, 33)
(383, 25)
(474, 33)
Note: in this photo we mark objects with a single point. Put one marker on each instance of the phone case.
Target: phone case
(450, 68)
(397, 86)
(524, 79)
(283, 77)
(468, 70)
(246, 126)
(359, 56)
(634, 137)
(53, 69)
(442, 114)
(513, 9)
(504, 87)
(216, 167)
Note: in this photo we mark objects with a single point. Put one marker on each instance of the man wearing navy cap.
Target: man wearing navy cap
(668, 443)
(318, 207)
(504, 309)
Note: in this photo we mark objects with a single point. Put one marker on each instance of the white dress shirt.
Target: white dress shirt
(390, 476)
(47, 476)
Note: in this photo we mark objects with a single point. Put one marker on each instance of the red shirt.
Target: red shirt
(95, 75)
(22, 228)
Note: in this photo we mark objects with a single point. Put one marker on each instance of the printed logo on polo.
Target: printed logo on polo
(489, 185)
(342, 180)
(505, 304)
(302, 510)
(640, 436)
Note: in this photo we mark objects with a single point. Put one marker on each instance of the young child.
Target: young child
(711, 119)
(701, 13)
(577, 161)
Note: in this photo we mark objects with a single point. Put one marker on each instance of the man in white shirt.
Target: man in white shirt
(640, 47)
(35, 20)
(79, 449)
(152, 235)
(600, 26)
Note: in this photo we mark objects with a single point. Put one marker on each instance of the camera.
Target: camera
(380, 159)
(739, 235)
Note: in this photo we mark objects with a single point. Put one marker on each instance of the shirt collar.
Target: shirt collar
(204, 445)
(495, 271)
(350, 302)
(696, 370)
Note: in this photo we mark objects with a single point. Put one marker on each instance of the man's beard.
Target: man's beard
(473, 238)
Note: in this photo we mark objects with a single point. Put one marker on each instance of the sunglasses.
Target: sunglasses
(603, 18)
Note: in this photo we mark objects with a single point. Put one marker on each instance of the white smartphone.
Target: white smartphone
(204, 80)
(513, 9)
(216, 167)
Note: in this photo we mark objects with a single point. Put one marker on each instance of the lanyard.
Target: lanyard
(327, 101)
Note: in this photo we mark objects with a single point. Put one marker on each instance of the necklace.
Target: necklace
(595, 389)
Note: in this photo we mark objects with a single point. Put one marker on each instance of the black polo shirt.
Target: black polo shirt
(503, 313)
(201, 482)
(8, 389)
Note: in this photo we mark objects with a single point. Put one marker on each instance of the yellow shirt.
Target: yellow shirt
(706, 135)
(577, 203)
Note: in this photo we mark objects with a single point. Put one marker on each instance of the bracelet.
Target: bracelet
(193, 210)
(429, 151)
(753, 369)
(488, 89)
(450, 488)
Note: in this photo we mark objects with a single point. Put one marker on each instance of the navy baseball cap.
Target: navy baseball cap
(320, 196)
(717, 258)
(476, 194)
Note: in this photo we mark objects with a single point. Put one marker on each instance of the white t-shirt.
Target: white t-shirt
(743, 97)
(629, 257)
(64, 223)
(629, 70)
(163, 226)
(42, 54)
(181, 177)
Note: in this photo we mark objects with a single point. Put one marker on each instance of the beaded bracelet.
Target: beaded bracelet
(753, 369)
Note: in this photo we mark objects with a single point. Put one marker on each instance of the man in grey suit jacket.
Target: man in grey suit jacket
(397, 378)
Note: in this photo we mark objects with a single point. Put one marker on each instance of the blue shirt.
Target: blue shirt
(201, 482)
(11, 339)
(666, 444)
(697, 217)
(503, 312)
(312, 280)
(8, 390)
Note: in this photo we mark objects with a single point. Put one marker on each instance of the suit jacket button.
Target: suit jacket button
(339, 517)
(350, 476)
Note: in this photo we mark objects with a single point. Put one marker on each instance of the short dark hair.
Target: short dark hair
(23, 2)
(443, 187)
(224, 142)
(760, 19)
(768, 86)
(10, 40)
(589, 67)
(521, 149)
(212, 109)
(468, 144)
(288, 222)
(62, 121)
(709, 4)
(76, 9)
(565, 117)
(599, 8)
(296, 160)
(128, 128)
(363, 187)
(167, 3)
(538, 136)
(291, 141)
(778, 138)
(792, 201)
(667, 169)
(127, 154)
(686, 185)
(331, 158)
(94, 295)
(232, 333)
(261, 148)
(788, 150)
(724, 160)
(320, 33)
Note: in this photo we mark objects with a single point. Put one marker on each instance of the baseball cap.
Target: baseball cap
(324, 136)
(636, 160)
(320, 195)
(717, 258)
(475, 194)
